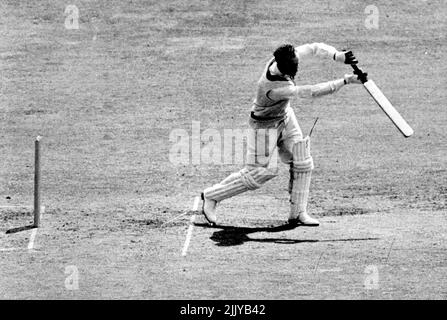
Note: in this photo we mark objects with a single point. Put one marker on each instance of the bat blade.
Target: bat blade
(388, 108)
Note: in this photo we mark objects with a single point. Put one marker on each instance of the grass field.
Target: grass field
(105, 97)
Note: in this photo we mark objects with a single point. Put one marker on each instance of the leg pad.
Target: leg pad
(249, 178)
(300, 176)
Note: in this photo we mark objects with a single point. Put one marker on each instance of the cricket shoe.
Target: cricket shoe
(304, 219)
(209, 210)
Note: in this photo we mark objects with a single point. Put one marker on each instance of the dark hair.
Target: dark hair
(286, 60)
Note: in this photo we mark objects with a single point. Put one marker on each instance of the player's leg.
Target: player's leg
(290, 136)
(260, 168)
(302, 167)
(295, 150)
(249, 178)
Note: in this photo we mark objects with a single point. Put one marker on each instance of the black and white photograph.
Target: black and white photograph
(233, 150)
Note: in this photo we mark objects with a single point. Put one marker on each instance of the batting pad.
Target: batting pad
(301, 171)
(249, 178)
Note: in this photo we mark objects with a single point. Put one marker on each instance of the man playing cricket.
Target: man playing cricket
(272, 113)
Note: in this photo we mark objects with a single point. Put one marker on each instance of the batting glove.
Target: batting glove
(345, 56)
(362, 76)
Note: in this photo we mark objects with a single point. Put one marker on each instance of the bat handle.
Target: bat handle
(362, 76)
(354, 66)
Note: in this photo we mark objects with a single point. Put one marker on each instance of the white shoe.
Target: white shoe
(209, 210)
(305, 219)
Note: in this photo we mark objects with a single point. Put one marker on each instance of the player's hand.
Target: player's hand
(345, 56)
(353, 78)
(362, 76)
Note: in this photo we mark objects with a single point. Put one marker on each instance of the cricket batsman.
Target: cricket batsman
(272, 116)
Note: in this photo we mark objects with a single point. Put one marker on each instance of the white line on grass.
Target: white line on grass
(179, 216)
(32, 238)
(23, 206)
(175, 218)
(191, 226)
(330, 270)
(34, 234)
(42, 208)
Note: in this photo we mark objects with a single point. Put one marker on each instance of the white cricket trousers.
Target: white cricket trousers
(264, 143)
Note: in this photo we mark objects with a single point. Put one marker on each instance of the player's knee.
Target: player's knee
(286, 157)
(302, 160)
(254, 177)
(285, 148)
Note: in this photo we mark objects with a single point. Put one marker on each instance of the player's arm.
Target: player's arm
(312, 91)
(325, 51)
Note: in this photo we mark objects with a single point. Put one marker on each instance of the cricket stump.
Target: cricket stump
(37, 210)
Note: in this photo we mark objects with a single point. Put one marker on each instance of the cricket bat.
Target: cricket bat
(385, 104)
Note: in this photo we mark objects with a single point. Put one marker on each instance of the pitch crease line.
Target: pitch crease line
(191, 226)
(33, 236)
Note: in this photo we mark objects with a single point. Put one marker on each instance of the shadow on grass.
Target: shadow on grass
(234, 236)
(19, 229)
